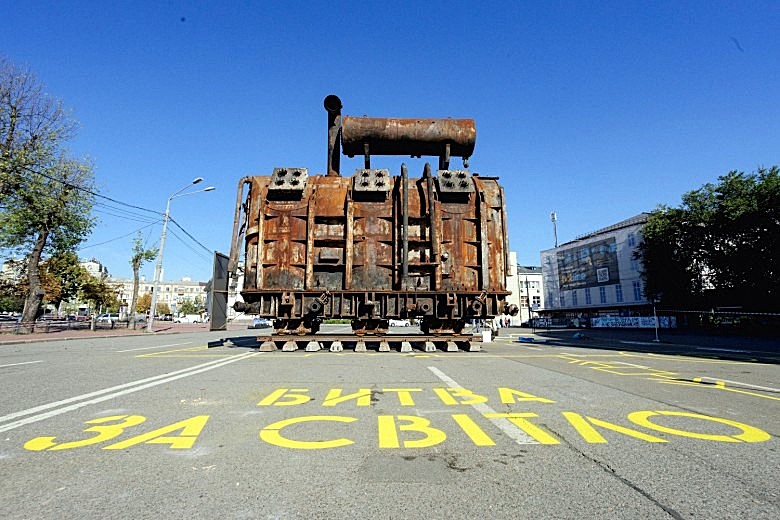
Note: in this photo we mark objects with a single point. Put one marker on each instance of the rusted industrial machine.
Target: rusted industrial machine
(374, 246)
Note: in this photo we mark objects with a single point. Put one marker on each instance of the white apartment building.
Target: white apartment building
(94, 268)
(525, 282)
(171, 292)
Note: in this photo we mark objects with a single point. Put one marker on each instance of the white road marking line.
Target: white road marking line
(43, 407)
(631, 364)
(22, 363)
(534, 348)
(157, 346)
(767, 388)
(514, 433)
(713, 349)
(60, 411)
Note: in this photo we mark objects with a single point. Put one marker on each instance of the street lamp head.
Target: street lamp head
(210, 188)
(197, 180)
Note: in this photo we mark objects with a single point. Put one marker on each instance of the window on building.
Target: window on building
(603, 294)
(536, 300)
(631, 240)
(637, 290)
(562, 299)
(574, 298)
(619, 293)
(634, 264)
(588, 300)
(523, 301)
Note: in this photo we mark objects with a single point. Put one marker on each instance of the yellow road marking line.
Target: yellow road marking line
(157, 354)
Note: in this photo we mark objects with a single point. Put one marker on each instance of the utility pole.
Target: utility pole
(554, 219)
(158, 268)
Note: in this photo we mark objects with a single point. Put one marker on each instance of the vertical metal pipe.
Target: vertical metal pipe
(333, 106)
(433, 225)
(234, 245)
(484, 235)
(260, 249)
(349, 241)
(405, 227)
(311, 209)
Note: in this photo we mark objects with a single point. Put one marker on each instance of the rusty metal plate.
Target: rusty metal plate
(289, 179)
(455, 181)
(372, 180)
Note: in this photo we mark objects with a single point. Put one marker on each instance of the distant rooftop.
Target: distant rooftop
(637, 219)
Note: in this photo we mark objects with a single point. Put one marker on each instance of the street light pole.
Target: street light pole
(554, 219)
(158, 268)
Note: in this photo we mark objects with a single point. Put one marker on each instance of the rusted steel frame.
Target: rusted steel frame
(434, 226)
(310, 227)
(333, 106)
(405, 227)
(235, 246)
(260, 240)
(349, 240)
(415, 137)
(505, 233)
(484, 239)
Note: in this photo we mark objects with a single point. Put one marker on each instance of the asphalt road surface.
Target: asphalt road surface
(166, 427)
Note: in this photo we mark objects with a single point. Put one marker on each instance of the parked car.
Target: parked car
(261, 323)
(108, 318)
(399, 323)
(189, 318)
(167, 317)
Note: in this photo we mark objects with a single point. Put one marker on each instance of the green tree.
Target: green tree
(49, 214)
(99, 294)
(721, 247)
(144, 303)
(199, 304)
(32, 126)
(188, 307)
(163, 308)
(62, 276)
(11, 297)
(140, 256)
(45, 195)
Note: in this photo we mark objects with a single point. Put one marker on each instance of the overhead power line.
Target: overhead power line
(209, 251)
(118, 238)
(86, 190)
(197, 252)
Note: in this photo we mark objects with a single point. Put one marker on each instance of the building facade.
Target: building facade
(525, 282)
(596, 274)
(173, 293)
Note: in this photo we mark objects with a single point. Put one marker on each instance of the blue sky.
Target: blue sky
(595, 110)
